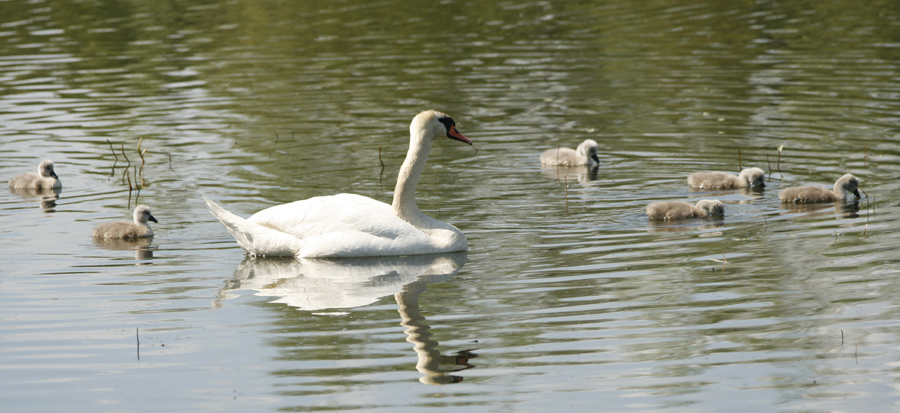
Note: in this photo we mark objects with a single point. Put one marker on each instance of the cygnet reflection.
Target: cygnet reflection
(843, 210)
(579, 173)
(140, 246)
(681, 226)
(47, 196)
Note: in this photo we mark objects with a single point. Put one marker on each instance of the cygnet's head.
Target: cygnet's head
(45, 169)
(712, 207)
(754, 177)
(847, 184)
(589, 149)
(142, 215)
(437, 125)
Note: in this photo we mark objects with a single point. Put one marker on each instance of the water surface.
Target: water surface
(568, 296)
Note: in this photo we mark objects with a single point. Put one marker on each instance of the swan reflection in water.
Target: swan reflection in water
(140, 246)
(317, 284)
(47, 196)
(752, 194)
(582, 174)
(691, 224)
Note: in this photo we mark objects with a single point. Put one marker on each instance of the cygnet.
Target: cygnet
(750, 177)
(585, 154)
(669, 210)
(128, 230)
(45, 178)
(847, 184)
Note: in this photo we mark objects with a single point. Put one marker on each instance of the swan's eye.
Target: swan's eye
(448, 122)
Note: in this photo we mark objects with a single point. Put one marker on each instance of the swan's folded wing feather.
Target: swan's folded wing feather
(344, 225)
(327, 214)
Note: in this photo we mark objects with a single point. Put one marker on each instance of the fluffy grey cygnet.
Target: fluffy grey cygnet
(45, 178)
(669, 210)
(750, 177)
(847, 184)
(128, 230)
(585, 154)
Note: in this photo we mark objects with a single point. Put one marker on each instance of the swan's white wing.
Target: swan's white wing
(345, 225)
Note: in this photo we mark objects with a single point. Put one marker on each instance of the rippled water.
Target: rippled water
(568, 296)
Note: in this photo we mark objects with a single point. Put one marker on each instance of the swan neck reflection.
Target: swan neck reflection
(418, 332)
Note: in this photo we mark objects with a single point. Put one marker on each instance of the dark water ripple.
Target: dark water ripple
(568, 295)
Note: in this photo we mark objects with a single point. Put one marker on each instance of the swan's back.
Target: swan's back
(560, 156)
(807, 195)
(342, 225)
(670, 210)
(350, 225)
(121, 230)
(750, 177)
(707, 180)
(585, 154)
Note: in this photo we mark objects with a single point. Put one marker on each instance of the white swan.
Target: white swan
(845, 185)
(669, 210)
(128, 230)
(585, 154)
(750, 177)
(45, 178)
(347, 225)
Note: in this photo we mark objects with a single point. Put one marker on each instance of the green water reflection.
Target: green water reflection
(572, 297)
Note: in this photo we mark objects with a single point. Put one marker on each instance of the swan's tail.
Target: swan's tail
(233, 223)
(254, 238)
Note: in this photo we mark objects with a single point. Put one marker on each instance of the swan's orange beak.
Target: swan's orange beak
(454, 134)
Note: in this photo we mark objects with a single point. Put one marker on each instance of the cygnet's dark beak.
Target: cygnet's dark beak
(152, 219)
(454, 134)
(53, 174)
(595, 157)
(856, 192)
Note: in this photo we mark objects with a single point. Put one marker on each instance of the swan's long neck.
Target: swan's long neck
(404, 203)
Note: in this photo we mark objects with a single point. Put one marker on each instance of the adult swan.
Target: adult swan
(347, 225)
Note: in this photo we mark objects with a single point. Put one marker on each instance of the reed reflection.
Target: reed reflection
(318, 284)
(47, 196)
